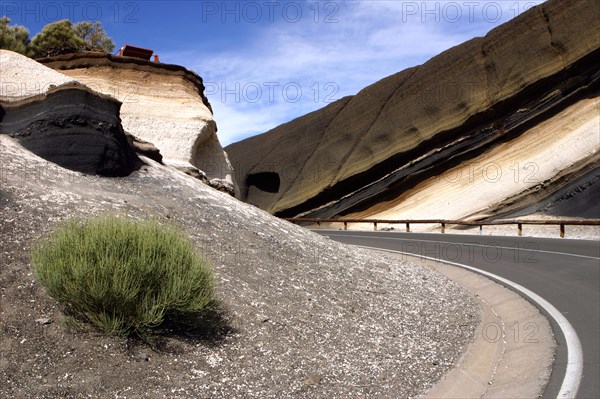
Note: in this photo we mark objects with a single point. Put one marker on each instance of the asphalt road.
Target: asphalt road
(564, 272)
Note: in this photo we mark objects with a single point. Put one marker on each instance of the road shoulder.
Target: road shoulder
(513, 349)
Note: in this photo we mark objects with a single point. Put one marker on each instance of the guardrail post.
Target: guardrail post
(345, 225)
(443, 228)
(562, 230)
(480, 229)
(319, 225)
(374, 226)
(408, 227)
(520, 228)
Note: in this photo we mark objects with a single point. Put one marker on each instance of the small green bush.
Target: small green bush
(124, 277)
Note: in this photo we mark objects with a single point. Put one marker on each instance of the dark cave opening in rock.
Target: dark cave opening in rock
(264, 181)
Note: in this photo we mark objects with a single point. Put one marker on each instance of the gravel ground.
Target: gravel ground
(307, 317)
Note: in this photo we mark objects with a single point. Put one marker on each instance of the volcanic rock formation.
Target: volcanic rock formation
(524, 97)
(61, 120)
(162, 104)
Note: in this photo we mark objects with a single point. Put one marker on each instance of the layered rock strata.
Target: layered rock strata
(162, 104)
(62, 121)
(359, 155)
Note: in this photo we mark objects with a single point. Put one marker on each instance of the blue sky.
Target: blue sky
(267, 62)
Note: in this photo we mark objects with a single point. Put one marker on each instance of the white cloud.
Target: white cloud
(371, 40)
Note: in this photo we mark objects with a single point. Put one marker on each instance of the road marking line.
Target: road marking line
(573, 373)
(463, 243)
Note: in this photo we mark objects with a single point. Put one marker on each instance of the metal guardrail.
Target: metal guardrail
(444, 223)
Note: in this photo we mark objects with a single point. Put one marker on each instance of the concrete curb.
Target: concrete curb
(513, 348)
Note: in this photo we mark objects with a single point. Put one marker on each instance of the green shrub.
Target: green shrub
(124, 277)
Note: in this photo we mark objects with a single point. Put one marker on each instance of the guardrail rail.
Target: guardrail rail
(444, 223)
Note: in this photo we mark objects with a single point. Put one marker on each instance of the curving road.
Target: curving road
(565, 273)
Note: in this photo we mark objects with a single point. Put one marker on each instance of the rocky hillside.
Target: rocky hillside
(307, 317)
(300, 315)
(162, 104)
(500, 125)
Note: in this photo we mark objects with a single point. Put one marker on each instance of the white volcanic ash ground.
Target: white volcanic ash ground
(22, 77)
(310, 317)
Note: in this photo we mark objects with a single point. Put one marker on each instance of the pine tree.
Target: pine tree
(56, 38)
(14, 38)
(61, 37)
(94, 36)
